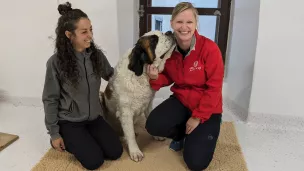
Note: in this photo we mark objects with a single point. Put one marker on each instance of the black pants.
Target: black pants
(91, 142)
(169, 120)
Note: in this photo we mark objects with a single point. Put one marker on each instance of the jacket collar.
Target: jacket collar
(84, 54)
(193, 42)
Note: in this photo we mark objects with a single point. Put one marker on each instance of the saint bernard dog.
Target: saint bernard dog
(128, 95)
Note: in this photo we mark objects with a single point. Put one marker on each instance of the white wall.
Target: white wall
(27, 29)
(127, 24)
(265, 61)
(278, 84)
(241, 52)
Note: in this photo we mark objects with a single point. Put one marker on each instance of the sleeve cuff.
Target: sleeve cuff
(197, 115)
(55, 136)
(154, 86)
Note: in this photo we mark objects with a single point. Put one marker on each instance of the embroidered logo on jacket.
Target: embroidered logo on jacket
(195, 67)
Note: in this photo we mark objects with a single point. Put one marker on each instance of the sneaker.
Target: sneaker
(177, 145)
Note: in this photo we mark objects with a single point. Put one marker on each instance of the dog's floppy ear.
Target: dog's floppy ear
(150, 46)
(143, 52)
(137, 58)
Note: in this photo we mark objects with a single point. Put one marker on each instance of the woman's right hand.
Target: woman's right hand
(58, 144)
(152, 72)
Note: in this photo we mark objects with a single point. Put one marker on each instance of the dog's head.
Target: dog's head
(150, 48)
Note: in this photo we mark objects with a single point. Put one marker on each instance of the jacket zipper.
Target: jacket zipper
(182, 61)
(183, 76)
(179, 63)
(85, 68)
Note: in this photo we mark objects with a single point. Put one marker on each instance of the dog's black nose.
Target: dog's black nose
(168, 33)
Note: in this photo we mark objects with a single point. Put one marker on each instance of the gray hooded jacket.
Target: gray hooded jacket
(64, 102)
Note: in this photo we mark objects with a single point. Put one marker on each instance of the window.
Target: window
(158, 23)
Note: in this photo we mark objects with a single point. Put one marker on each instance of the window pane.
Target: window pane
(206, 25)
(160, 22)
(196, 3)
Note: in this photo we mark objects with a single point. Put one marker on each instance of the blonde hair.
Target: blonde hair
(182, 6)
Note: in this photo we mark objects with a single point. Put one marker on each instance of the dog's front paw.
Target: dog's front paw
(159, 138)
(136, 155)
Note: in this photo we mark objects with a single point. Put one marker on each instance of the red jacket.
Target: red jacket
(197, 79)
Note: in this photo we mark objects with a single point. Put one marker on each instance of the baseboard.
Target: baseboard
(236, 110)
(275, 121)
(37, 102)
(23, 101)
(262, 120)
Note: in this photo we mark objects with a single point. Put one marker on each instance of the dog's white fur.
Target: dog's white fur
(131, 95)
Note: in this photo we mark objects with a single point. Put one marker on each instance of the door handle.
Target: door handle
(217, 13)
(141, 11)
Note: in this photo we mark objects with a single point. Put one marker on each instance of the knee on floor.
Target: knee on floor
(116, 154)
(93, 164)
(148, 128)
(152, 128)
(197, 165)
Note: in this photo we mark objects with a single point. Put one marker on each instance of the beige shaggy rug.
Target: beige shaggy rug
(228, 156)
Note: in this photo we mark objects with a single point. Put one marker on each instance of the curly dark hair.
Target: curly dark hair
(64, 48)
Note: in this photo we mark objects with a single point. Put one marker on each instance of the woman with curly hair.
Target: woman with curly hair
(73, 113)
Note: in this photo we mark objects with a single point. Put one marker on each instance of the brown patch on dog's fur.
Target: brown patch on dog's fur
(144, 43)
(102, 102)
(147, 47)
(109, 118)
(108, 92)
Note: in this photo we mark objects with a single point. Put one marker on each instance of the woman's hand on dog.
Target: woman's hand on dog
(152, 72)
(58, 144)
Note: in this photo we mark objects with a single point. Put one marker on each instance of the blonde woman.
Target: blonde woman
(191, 116)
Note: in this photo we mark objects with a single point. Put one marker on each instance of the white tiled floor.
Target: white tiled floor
(264, 149)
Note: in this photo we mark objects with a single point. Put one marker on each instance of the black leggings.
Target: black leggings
(91, 142)
(169, 120)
